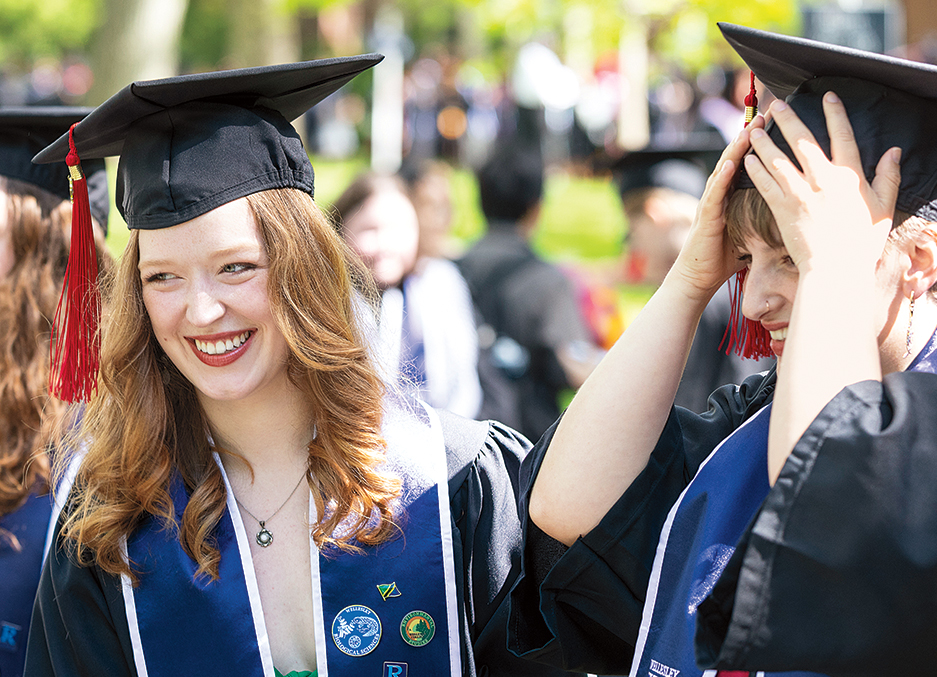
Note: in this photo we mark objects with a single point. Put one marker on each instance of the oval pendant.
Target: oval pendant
(264, 537)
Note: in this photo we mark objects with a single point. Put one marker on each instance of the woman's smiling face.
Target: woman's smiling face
(205, 291)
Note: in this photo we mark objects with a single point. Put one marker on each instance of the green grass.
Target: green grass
(581, 220)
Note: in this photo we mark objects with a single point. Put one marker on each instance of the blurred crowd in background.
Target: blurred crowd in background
(595, 91)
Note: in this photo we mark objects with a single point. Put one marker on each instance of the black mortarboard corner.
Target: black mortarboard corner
(191, 143)
(682, 169)
(25, 130)
(890, 102)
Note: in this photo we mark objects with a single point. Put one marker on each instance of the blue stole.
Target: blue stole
(696, 543)
(699, 537)
(383, 612)
(20, 569)
(20, 576)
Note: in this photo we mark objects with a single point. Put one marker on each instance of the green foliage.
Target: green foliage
(204, 35)
(30, 29)
(689, 37)
(582, 219)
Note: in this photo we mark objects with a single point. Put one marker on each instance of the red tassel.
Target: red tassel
(76, 345)
(745, 337)
(751, 102)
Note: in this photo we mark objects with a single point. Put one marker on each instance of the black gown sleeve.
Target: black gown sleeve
(78, 625)
(484, 459)
(838, 571)
(580, 608)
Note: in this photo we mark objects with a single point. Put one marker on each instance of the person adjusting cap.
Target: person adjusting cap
(187, 145)
(890, 102)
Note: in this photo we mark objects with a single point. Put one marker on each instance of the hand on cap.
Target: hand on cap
(707, 260)
(829, 208)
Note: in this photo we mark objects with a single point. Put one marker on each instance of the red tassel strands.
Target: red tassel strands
(76, 345)
(746, 337)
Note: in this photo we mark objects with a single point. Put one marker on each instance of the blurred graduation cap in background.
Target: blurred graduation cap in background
(187, 145)
(683, 169)
(25, 130)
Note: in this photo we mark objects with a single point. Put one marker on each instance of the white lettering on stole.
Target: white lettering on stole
(661, 670)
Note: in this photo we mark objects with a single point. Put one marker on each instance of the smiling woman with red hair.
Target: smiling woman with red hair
(248, 482)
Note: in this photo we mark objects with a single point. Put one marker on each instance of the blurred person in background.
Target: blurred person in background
(534, 341)
(426, 327)
(431, 195)
(660, 191)
(35, 223)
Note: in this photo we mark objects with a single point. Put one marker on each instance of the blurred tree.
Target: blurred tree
(685, 32)
(205, 35)
(263, 32)
(136, 40)
(132, 39)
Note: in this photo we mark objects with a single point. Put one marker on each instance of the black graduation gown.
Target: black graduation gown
(838, 571)
(79, 625)
(580, 608)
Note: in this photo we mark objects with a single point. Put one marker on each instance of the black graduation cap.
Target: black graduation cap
(25, 130)
(890, 102)
(190, 143)
(683, 169)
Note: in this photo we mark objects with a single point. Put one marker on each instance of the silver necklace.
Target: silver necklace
(264, 537)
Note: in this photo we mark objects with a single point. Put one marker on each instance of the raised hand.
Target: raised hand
(828, 207)
(834, 225)
(707, 260)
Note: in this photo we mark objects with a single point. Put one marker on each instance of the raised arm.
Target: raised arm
(609, 430)
(834, 225)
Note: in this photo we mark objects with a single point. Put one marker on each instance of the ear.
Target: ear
(921, 274)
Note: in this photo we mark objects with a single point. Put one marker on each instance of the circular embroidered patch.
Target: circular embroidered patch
(356, 630)
(417, 628)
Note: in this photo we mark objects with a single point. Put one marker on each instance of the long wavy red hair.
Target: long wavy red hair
(145, 424)
(38, 223)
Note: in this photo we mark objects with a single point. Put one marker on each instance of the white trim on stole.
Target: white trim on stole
(654, 582)
(60, 494)
(436, 458)
(126, 586)
(250, 577)
(441, 471)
